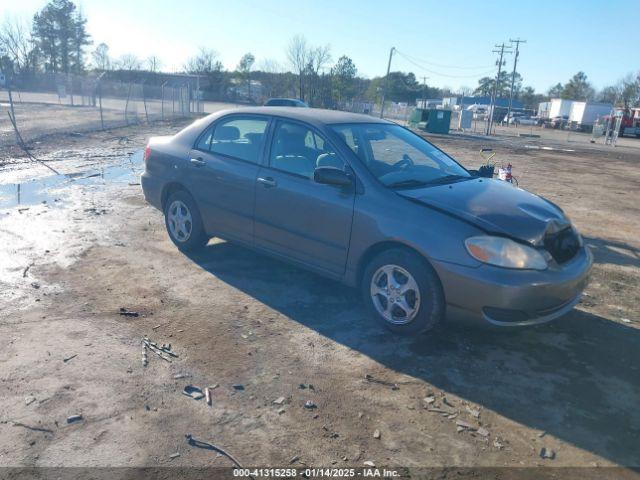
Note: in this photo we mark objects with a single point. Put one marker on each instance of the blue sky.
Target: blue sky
(563, 36)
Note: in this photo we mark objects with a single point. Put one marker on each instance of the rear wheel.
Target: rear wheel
(183, 222)
(403, 292)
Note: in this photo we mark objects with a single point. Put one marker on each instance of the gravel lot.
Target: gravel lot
(465, 397)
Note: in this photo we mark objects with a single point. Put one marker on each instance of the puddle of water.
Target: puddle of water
(52, 188)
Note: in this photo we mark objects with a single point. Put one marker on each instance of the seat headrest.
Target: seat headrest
(226, 132)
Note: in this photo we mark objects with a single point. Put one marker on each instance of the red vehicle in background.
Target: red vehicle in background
(630, 121)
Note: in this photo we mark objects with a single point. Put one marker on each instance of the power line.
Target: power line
(483, 67)
(440, 74)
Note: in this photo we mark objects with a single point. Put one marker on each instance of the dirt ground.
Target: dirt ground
(234, 317)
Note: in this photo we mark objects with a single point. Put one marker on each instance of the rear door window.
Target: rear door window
(240, 138)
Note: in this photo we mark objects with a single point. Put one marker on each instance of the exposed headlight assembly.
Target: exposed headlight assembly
(503, 252)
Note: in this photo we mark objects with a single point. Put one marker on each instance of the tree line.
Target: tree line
(57, 42)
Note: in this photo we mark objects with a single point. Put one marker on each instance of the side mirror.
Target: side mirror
(331, 176)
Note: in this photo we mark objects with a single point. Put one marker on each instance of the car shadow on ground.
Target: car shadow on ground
(611, 251)
(576, 379)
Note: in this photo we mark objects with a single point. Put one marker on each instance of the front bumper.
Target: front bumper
(506, 297)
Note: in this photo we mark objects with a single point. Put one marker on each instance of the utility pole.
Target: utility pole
(517, 41)
(495, 87)
(424, 91)
(386, 81)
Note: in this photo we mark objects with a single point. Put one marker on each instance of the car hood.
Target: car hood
(494, 206)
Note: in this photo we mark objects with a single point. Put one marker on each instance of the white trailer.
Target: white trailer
(559, 107)
(583, 115)
(543, 110)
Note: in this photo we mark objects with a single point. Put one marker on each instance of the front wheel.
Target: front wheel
(403, 292)
(183, 222)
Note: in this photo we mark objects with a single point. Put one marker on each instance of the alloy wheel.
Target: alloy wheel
(395, 294)
(179, 221)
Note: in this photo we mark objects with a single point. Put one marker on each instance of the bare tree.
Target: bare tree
(204, 62)
(129, 62)
(298, 56)
(100, 55)
(269, 65)
(154, 63)
(16, 43)
(319, 58)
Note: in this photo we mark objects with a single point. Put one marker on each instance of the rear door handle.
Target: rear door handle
(197, 162)
(268, 182)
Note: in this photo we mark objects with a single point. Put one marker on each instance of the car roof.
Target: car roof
(315, 116)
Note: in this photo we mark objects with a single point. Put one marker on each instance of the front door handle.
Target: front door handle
(268, 182)
(197, 162)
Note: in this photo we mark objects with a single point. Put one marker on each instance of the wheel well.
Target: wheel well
(374, 250)
(170, 188)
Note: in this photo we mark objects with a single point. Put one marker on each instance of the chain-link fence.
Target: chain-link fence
(45, 104)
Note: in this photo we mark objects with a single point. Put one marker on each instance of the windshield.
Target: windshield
(398, 158)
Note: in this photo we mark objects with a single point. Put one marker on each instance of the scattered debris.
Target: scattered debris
(310, 405)
(178, 376)
(542, 434)
(550, 454)
(473, 411)
(156, 327)
(369, 463)
(74, 418)
(281, 411)
(294, 459)
(626, 320)
(35, 285)
(429, 400)
(376, 434)
(35, 429)
(128, 313)
(238, 386)
(464, 425)
(193, 392)
(26, 269)
(279, 400)
(370, 378)
(159, 350)
(29, 400)
(209, 446)
(304, 386)
(174, 455)
(65, 360)
(207, 396)
(145, 360)
(498, 444)
(483, 432)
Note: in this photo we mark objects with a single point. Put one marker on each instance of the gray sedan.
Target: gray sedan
(369, 203)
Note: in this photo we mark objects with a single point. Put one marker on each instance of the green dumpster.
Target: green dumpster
(431, 120)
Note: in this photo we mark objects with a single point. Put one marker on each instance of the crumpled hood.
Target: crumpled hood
(495, 206)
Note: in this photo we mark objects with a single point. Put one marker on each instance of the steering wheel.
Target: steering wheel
(405, 162)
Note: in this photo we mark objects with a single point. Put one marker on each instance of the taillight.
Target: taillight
(147, 154)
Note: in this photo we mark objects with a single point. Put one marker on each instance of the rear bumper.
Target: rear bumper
(505, 297)
(152, 189)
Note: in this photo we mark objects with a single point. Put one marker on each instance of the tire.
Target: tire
(429, 301)
(183, 222)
